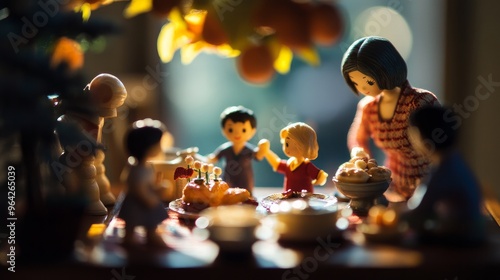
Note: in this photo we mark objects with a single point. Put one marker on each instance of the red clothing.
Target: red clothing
(300, 178)
(391, 136)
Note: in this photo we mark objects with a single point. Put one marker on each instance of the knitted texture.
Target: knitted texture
(390, 135)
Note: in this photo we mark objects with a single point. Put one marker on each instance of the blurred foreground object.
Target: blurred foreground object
(108, 93)
(447, 207)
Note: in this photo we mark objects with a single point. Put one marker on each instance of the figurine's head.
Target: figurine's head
(433, 129)
(299, 140)
(238, 124)
(376, 58)
(107, 92)
(143, 141)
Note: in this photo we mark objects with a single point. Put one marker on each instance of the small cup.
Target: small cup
(299, 220)
(231, 227)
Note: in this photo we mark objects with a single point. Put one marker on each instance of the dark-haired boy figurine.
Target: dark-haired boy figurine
(447, 207)
(238, 126)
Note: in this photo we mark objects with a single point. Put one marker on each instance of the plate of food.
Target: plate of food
(276, 198)
(191, 211)
(181, 210)
(198, 196)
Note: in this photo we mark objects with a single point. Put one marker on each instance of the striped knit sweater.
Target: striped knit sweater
(391, 137)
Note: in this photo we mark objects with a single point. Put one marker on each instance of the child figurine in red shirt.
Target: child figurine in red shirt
(301, 146)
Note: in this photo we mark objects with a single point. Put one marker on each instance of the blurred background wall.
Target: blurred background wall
(473, 82)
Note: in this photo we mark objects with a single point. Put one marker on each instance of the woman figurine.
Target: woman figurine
(142, 205)
(447, 206)
(373, 67)
(301, 146)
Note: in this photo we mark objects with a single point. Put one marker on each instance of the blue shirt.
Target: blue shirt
(237, 170)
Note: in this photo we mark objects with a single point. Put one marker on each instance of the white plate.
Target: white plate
(177, 207)
(276, 198)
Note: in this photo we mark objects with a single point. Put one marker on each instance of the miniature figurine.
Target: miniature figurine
(238, 126)
(163, 165)
(447, 206)
(301, 146)
(81, 176)
(100, 99)
(142, 205)
(107, 93)
(373, 67)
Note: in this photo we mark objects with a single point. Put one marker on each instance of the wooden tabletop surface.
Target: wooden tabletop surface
(100, 256)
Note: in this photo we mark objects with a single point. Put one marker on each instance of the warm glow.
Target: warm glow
(189, 160)
(96, 230)
(385, 22)
(194, 20)
(137, 7)
(389, 217)
(197, 164)
(68, 51)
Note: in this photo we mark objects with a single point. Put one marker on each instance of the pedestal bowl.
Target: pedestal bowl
(362, 195)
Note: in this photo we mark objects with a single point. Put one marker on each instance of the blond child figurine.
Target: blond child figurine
(301, 146)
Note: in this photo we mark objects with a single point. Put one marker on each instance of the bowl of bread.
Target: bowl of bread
(362, 180)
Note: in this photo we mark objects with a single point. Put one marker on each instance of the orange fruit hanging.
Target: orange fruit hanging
(289, 20)
(294, 31)
(255, 64)
(195, 21)
(325, 24)
(264, 15)
(68, 51)
(163, 7)
(213, 32)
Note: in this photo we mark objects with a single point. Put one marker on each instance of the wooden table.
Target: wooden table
(192, 257)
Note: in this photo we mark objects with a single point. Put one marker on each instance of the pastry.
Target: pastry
(234, 196)
(218, 190)
(379, 173)
(197, 196)
(196, 192)
(354, 159)
(359, 152)
(361, 169)
(353, 176)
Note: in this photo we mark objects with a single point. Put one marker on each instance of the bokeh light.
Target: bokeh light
(385, 22)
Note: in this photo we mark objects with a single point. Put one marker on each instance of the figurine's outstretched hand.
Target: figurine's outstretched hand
(265, 151)
(321, 179)
(263, 147)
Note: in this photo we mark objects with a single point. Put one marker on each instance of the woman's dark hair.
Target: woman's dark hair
(378, 58)
(437, 124)
(142, 136)
(238, 114)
